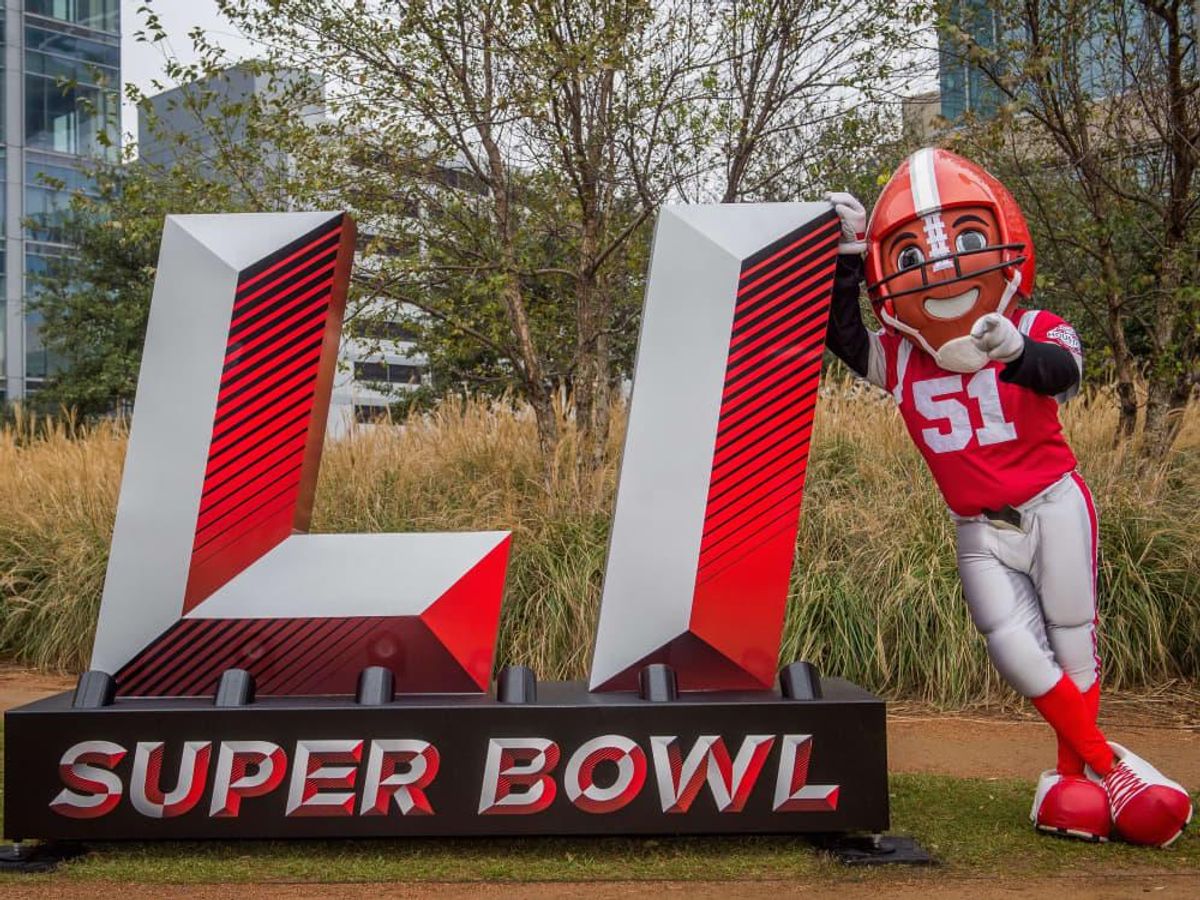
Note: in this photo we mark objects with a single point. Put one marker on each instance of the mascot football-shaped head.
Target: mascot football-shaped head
(946, 244)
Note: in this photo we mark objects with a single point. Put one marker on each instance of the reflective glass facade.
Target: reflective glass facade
(61, 106)
(964, 88)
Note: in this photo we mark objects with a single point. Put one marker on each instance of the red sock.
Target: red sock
(1071, 716)
(1070, 762)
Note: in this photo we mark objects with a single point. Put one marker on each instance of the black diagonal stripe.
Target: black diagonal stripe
(716, 543)
(725, 500)
(771, 524)
(195, 638)
(209, 497)
(317, 643)
(765, 312)
(260, 368)
(787, 385)
(777, 427)
(313, 306)
(784, 340)
(243, 446)
(813, 325)
(249, 457)
(245, 513)
(261, 354)
(147, 661)
(282, 424)
(348, 633)
(285, 640)
(259, 377)
(223, 657)
(269, 304)
(770, 374)
(791, 336)
(728, 424)
(727, 453)
(284, 279)
(787, 267)
(255, 269)
(280, 371)
(802, 290)
(791, 237)
(253, 437)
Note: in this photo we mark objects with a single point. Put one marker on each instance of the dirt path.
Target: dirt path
(1119, 886)
(990, 744)
(998, 748)
(19, 686)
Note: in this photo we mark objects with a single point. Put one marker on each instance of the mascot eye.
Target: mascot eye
(909, 258)
(970, 241)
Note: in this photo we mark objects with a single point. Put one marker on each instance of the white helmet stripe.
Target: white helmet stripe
(923, 183)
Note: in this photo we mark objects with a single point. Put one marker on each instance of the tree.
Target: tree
(94, 301)
(1099, 131)
(505, 158)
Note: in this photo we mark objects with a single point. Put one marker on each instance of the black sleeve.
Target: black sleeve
(1043, 367)
(846, 335)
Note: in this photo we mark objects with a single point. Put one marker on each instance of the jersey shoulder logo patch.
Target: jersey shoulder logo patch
(1064, 335)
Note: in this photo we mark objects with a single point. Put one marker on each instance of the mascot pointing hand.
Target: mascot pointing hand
(948, 262)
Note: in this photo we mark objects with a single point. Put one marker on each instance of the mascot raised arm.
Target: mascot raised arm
(949, 263)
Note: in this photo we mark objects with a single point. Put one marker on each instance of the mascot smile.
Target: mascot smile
(948, 261)
(945, 252)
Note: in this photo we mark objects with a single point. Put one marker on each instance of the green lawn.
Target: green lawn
(974, 827)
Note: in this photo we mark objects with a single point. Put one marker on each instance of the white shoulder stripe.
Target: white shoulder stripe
(923, 182)
(902, 354)
(1027, 319)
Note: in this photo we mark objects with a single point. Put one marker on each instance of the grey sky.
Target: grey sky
(142, 63)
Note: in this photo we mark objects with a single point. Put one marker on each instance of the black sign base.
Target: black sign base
(31, 858)
(874, 849)
(537, 759)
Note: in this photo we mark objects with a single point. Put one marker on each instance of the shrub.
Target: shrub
(875, 596)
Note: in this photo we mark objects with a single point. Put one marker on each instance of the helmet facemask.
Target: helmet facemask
(941, 272)
(946, 244)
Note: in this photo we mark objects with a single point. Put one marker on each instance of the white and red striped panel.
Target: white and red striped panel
(210, 568)
(713, 474)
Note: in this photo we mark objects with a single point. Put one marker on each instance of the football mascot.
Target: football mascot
(948, 261)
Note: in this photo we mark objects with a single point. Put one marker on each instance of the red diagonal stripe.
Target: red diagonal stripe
(250, 282)
(817, 234)
(246, 307)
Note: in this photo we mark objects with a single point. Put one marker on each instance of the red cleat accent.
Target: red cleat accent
(1147, 807)
(1072, 806)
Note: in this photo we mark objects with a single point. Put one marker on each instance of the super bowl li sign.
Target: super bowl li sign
(250, 679)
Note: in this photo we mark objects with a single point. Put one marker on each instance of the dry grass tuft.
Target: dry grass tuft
(875, 595)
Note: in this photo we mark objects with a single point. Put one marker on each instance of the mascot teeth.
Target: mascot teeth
(951, 307)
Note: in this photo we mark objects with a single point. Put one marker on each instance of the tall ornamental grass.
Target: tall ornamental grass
(875, 596)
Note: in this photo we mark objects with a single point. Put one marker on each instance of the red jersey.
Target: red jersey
(987, 442)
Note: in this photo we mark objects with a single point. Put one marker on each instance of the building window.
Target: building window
(71, 101)
(102, 15)
(371, 413)
(73, 119)
(388, 373)
(40, 362)
(385, 330)
(49, 187)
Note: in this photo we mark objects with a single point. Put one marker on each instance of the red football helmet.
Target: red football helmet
(947, 244)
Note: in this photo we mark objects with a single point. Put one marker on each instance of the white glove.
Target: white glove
(996, 336)
(854, 221)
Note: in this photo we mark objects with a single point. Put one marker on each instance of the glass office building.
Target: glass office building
(964, 88)
(60, 99)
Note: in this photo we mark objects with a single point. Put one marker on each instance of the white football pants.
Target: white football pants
(1032, 593)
